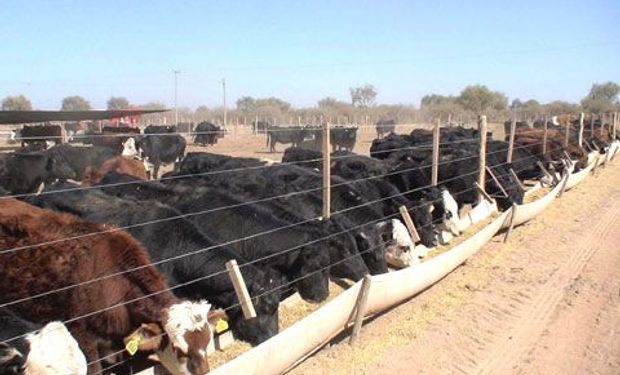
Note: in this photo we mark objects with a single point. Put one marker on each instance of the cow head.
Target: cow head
(53, 351)
(372, 247)
(11, 360)
(422, 216)
(266, 290)
(129, 148)
(451, 220)
(400, 248)
(188, 326)
(347, 263)
(312, 276)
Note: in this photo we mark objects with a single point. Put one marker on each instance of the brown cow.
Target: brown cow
(103, 286)
(532, 139)
(118, 164)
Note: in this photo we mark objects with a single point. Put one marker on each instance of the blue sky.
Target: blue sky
(304, 51)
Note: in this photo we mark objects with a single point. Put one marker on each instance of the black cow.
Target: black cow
(294, 135)
(342, 245)
(195, 163)
(304, 157)
(160, 129)
(23, 173)
(293, 250)
(70, 162)
(183, 253)
(113, 137)
(458, 162)
(385, 127)
(384, 147)
(343, 138)
(40, 134)
(300, 188)
(157, 149)
(208, 134)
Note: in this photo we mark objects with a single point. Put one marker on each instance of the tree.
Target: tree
(246, 104)
(202, 113)
(363, 96)
(16, 103)
(559, 107)
(435, 99)
(328, 102)
(282, 105)
(608, 91)
(118, 102)
(479, 99)
(516, 104)
(75, 103)
(603, 97)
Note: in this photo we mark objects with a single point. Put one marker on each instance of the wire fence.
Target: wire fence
(302, 220)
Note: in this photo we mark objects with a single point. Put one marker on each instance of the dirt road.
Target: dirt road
(546, 302)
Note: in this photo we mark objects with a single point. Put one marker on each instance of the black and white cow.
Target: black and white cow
(27, 348)
(156, 150)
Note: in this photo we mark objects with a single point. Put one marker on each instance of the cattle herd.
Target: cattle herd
(104, 262)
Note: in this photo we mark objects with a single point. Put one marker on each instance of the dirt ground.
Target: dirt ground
(545, 302)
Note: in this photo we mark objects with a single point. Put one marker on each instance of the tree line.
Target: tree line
(363, 107)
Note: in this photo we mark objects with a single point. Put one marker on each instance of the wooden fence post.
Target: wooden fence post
(326, 172)
(482, 129)
(511, 139)
(512, 219)
(435, 170)
(567, 135)
(615, 125)
(545, 130)
(580, 136)
(360, 308)
(490, 172)
(247, 307)
(413, 233)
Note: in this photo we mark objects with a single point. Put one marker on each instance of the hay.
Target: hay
(536, 195)
(473, 229)
(233, 350)
(295, 312)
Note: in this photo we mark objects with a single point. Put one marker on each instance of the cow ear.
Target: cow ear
(148, 337)
(214, 315)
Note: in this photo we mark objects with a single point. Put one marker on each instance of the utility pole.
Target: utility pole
(176, 107)
(224, 100)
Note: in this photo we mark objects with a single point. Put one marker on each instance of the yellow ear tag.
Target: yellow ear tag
(221, 326)
(132, 345)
